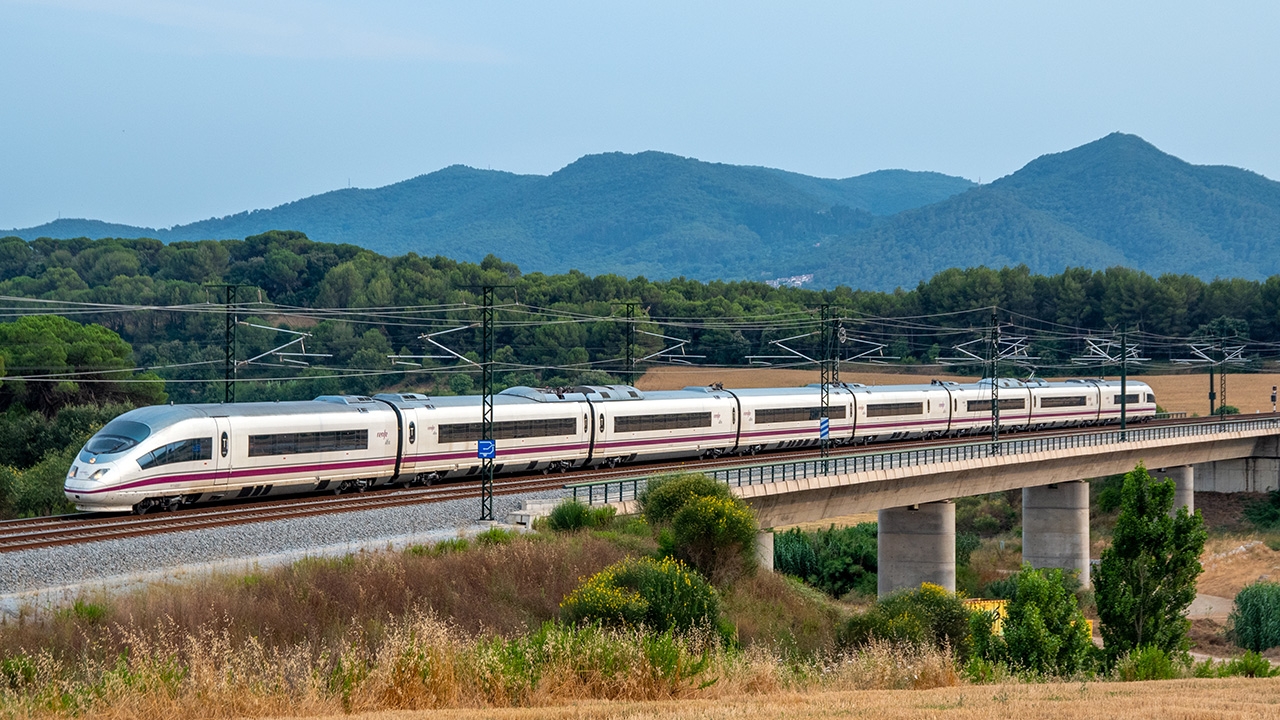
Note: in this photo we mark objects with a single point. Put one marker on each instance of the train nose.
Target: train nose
(83, 476)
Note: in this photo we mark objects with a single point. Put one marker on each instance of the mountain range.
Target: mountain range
(1115, 201)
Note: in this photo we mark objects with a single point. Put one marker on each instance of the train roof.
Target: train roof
(164, 415)
(157, 416)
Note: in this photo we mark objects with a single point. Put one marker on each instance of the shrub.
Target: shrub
(837, 561)
(1255, 619)
(966, 543)
(569, 516)
(716, 535)
(660, 595)
(1044, 632)
(1251, 664)
(794, 554)
(1108, 492)
(444, 547)
(602, 517)
(1147, 662)
(928, 616)
(663, 497)
(496, 536)
(1265, 514)
(986, 515)
(38, 489)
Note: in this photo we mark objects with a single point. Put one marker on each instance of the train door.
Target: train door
(222, 450)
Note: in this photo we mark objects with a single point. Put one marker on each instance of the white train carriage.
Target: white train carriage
(783, 418)
(893, 412)
(698, 422)
(171, 455)
(1066, 404)
(1140, 401)
(533, 430)
(971, 405)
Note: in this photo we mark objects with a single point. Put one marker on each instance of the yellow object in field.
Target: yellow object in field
(998, 607)
(1001, 610)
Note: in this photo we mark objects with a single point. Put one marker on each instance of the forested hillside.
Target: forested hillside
(650, 214)
(1115, 201)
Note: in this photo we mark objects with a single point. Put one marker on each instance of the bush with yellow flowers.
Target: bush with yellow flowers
(660, 595)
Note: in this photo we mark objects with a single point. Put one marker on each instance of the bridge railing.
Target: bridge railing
(605, 491)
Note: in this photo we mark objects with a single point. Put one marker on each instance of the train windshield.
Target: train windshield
(116, 437)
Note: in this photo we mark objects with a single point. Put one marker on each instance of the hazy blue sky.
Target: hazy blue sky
(156, 112)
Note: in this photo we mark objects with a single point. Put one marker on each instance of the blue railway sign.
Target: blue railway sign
(824, 428)
(486, 449)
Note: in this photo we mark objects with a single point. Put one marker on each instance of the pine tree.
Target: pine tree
(1147, 578)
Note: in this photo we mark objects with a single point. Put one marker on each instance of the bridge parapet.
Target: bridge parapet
(784, 493)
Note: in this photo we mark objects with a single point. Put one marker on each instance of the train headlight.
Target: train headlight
(74, 469)
(98, 474)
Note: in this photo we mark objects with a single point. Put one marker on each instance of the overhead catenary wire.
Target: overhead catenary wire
(909, 330)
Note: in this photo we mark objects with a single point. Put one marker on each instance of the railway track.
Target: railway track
(34, 533)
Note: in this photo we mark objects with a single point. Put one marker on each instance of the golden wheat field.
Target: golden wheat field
(1168, 700)
(1176, 393)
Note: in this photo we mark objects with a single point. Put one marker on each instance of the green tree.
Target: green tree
(1043, 633)
(1147, 578)
(89, 364)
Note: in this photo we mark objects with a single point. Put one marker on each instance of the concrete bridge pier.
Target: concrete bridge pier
(1184, 486)
(1055, 527)
(764, 550)
(917, 544)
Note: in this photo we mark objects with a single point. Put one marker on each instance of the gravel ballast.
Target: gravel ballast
(51, 575)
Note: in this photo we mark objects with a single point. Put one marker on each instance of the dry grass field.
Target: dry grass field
(1186, 393)
(1170, 700)
(1232, 562)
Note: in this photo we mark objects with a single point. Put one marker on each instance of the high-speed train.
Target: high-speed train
(167, 456)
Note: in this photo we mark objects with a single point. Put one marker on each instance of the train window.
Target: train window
(601, 422)
(1058, 402)
(779, 415)
(510, 430)
(116, 437)
(1129, 398)
(1005, 404)
(413, 433)
(176, 452)
(901, 408)
(666, 421)
(733, 417)
(226, 445)
(308, 442)
(1151, 398)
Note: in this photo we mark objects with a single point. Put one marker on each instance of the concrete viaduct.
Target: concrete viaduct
(912, 490)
